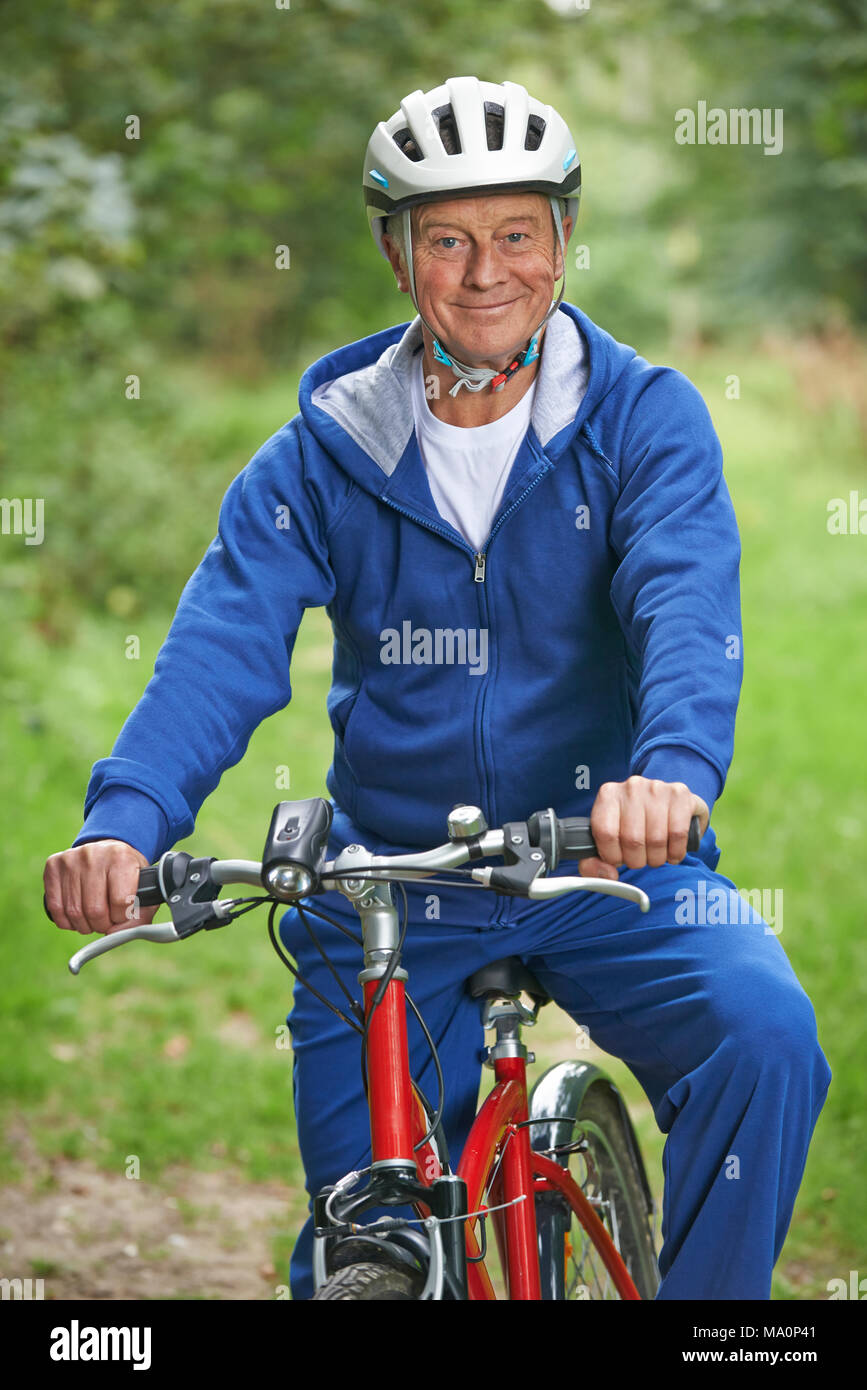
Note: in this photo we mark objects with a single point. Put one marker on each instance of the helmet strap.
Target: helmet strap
(477, 378)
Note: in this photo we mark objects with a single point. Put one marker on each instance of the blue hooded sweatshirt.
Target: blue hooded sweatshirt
(597, 635)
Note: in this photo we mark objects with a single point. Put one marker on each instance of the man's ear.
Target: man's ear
(567, 232)
(396, 261)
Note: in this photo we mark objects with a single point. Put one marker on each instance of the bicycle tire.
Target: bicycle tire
(368, 1282)
(613, 1183)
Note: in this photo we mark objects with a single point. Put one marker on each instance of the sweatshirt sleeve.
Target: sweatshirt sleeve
(224, 665)
(676, 588)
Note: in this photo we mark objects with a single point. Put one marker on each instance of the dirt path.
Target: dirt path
(95, 1235)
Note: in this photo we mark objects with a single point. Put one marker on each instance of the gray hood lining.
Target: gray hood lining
(374, 404)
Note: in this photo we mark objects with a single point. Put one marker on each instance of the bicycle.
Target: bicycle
(557, 1172)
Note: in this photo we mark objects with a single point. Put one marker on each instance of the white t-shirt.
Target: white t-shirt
(467, 469)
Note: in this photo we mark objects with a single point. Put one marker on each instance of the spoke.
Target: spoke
(615, 1227)
(587, 1272)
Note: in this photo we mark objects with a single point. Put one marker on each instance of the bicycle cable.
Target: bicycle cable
(436, 1121)
(434, 1115)
(354, 1006)
(382, 873)
(298, 976)
(250, 903)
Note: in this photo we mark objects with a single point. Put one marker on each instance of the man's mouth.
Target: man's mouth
(486, 308)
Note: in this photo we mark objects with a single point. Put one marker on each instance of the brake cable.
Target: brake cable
(298, 976)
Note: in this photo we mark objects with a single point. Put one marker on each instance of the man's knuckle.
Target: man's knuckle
(604, 834)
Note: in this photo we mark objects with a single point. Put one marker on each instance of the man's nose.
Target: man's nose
(484, 267)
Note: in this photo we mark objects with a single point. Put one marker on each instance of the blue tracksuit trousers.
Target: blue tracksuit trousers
(707, 1014)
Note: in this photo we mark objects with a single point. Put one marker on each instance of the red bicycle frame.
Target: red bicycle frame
(499, 1165)
(498, 1144)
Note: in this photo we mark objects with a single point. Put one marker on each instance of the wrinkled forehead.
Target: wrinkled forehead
(482, 212)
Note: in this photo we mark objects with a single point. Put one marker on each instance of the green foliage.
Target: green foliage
(253, 124)
(151, 256)
(131, 488)
(253, 127)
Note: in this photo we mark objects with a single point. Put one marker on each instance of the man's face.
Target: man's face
(484, 271)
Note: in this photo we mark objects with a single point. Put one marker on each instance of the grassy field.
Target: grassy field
(169, 1055)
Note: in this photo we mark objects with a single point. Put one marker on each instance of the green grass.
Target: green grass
(84, 1059)
(92, 1067)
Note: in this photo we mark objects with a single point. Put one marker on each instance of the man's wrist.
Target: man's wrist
(124, 813)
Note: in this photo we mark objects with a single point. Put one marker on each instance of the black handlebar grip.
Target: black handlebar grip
(575, 841)
(148, 891)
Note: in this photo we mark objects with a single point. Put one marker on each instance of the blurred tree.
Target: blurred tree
(777, 235)
(151, 163)
(252, 126)
(252, 123)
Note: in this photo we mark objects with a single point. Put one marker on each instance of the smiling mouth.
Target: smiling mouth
(486, 308)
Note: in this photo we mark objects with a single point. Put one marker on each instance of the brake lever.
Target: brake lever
(210, 915)
(161, 931)
(554, 887)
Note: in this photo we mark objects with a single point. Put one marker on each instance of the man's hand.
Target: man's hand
(92, 887)
(641, 821)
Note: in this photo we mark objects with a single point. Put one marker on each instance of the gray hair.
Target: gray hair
(394, 228)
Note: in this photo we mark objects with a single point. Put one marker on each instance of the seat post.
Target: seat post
(507, 1018)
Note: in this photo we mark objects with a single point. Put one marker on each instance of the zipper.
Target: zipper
(431, 526)
(477, 558)
(479, 572)
(481, 555)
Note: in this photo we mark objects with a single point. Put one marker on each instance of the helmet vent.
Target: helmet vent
(535, 131)
(447, 127)
(495, 117)
(405, 142)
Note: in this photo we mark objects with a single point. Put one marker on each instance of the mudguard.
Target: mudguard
(559, 1092)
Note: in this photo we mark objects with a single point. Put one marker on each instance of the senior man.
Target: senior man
(503, 471)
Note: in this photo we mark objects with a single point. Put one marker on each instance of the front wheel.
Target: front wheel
(605, 1163)
(368, 1282)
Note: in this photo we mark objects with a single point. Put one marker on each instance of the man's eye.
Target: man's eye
(514, 237)
(452, 239)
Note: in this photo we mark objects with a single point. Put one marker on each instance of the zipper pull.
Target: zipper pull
(479, 575)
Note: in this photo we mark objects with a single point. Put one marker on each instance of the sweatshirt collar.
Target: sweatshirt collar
(373, 402)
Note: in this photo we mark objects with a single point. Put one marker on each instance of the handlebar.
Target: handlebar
(293, 867)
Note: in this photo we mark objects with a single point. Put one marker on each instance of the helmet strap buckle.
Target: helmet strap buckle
(530, 354)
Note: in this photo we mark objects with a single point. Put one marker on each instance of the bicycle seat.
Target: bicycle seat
(507, 978)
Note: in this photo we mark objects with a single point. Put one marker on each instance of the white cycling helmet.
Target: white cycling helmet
(461, 139)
